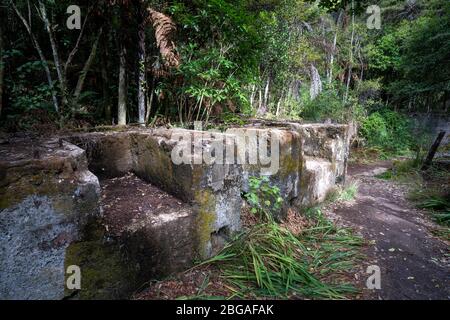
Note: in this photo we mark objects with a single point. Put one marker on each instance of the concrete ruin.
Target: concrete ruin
(52, 214)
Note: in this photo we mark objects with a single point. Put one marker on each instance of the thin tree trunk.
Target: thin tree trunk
(279, 104)
(330, 70)
(141, 65)
(266, 93)
(1, 70)
(260, 101)
(333, 50)
(316, 83)
(105, 81)
(351, 55)
(59, 70)
(41, 56)
(122, 95)
(77, 45)
(252, 95)
(86, 67)
(433, 150)
(150, 101)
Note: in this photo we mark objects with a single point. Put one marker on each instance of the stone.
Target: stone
(47, 197)
(212, 189)
(318, 179)
(326, 141)
(109, 153)
(50, 201)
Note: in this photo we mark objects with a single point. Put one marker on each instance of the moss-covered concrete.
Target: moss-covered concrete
(105, 273)
(205, 221)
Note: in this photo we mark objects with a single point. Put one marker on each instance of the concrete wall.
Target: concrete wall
(49, 195)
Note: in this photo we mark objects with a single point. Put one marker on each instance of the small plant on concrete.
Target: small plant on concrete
(263, 198)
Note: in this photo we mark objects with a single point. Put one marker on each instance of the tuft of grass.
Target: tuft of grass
(443, 233)
(347, 193)
(434, 200)
(270, 261)
(403, 171)
(439, 206)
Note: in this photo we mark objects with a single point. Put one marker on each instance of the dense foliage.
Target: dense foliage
(151, 61)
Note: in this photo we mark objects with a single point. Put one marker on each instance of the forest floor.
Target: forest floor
(414, 264)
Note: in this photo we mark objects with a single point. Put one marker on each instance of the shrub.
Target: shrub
(264, 199)
(389, 130)
(329, 105)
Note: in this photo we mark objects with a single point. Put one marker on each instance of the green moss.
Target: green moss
(289, 165)
(103, 129)
(205, 219)
(43, 183)
(104, 272)
(153, 162)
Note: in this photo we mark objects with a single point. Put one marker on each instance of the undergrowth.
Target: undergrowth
(269, 261)
(429, 190)
(434, 201)
(346, 193)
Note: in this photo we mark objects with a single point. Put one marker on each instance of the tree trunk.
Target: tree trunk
(59, 70)
(266, 94)
(279, 104)
(330, 70)
(333, 49)
(77, 44)
(41, 56)
(433, 150)
(260, 100)
(150, 101)
(350, 65)
(316, 83)
(252, 95)
(142, 68)
(122, 95)
(86, 67)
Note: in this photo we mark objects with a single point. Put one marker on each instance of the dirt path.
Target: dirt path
(414, 264)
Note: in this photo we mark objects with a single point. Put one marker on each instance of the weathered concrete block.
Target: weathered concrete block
(318, 179)
(212, 189)
(326, 141)
(284, 169)
(47, 197)
(109, 153)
